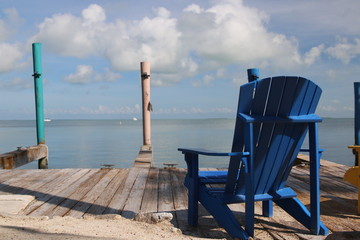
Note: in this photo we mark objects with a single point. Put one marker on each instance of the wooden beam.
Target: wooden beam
(22, 156)
(144, 158)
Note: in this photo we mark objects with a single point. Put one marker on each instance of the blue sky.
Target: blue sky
(199, 52)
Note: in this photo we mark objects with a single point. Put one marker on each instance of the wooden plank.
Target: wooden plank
(180, 196)
(166, 202)
(281, 225)
(333, 204)
(36, 183)
(60, 190)
(68, 197)
(8, 174)
(144, 158)
(56, 192)
(207, 227)
(133, 203)
(44, 191)
(260, 231)
(328, 183)
(101, 204)
(150, 199)
(15, 182)
(29, 183)
(92, 195)
(120, 197)
(179, 190)
(333, 223)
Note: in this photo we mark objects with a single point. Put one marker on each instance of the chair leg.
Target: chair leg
(192, 207)
(297, 210)
(267, 208)
(223, 215)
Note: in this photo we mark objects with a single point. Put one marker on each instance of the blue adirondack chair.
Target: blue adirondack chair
(273, 118)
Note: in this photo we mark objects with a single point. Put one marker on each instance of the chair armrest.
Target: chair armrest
(192, 162)
(212, 153)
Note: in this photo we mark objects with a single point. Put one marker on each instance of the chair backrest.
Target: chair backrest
(276, 145)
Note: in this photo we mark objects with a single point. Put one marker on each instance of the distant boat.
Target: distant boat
(47, 120)
(134, 119)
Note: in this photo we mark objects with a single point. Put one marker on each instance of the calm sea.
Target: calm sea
(92, 143)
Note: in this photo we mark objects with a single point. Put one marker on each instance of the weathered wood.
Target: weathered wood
(46, 179)
(52, 199)
(8, 174)
(146, 105)
(100, 205)
(179, 190)
(83, 188)
(120, 197)
(150, 198)
(23, 156)
(91, 196)
(15, 179)
(82, 192)
(133, 203)
(73, 193)
(166, 202)
(144, 158)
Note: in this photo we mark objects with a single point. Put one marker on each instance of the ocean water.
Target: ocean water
(92, 143)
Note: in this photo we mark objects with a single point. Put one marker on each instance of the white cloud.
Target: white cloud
(9, 23)
(16, 83)
(194, 9)
(102, 109)
(230, 32)
(3, 30)
(86, 74)
(11, 57)
(314, 53)
(11, 54)
(150, 39)
(124, 44)
(226, 33)
(83, 75)
(198, 41)
(205, 81)
(93, 14)
(344, 50)
(65, 35)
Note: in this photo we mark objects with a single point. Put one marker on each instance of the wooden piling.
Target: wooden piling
(146, 105)
(145, 157)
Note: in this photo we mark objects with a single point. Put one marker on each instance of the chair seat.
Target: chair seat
(219, 177)
(240, 198)
(208, 177)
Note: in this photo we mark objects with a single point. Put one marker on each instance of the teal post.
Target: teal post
(253, 74)
(39, 102)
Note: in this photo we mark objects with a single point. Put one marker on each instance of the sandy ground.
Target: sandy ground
(14, 225)
(101, 227)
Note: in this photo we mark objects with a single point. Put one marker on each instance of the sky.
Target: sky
(198, 50)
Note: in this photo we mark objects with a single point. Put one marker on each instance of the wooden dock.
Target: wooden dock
(82, 192)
